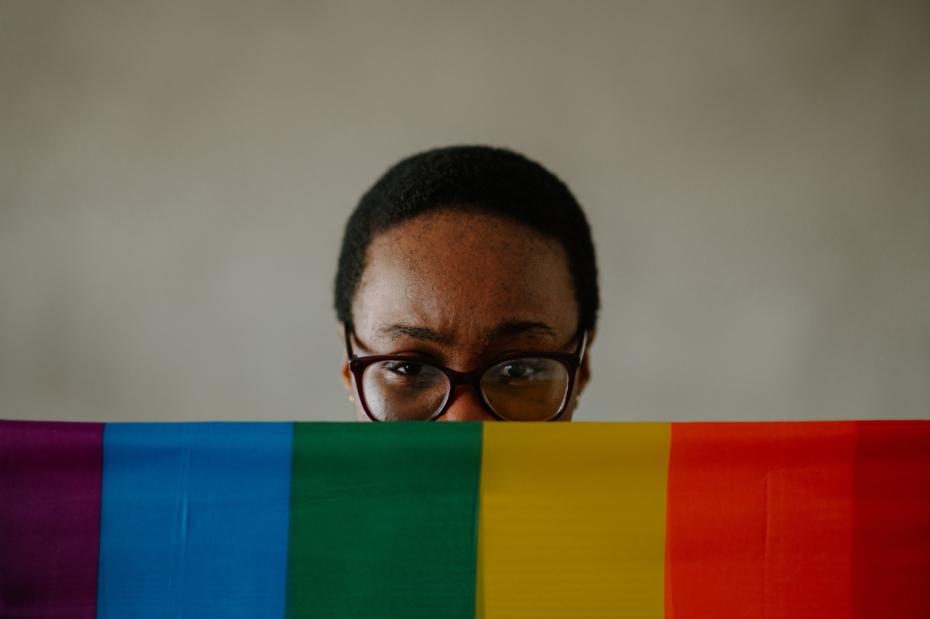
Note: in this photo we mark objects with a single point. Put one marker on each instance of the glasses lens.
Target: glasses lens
(530, 389)
(399, 390)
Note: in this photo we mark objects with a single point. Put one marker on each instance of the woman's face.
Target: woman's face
(465, 287)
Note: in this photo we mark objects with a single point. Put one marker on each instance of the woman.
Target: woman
(467, 291)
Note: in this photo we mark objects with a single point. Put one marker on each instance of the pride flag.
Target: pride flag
(496, 520)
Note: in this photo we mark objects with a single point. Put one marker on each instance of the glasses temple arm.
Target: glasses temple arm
(582, 346)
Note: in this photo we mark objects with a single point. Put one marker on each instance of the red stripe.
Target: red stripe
(759, 520)
(891, 542)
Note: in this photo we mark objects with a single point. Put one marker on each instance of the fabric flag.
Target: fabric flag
(464, 520)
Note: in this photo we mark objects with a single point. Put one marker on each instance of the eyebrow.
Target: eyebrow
(418, 333)
(518, 327)
(505, 329)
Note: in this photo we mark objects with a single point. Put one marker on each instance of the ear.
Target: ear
(344, 370)
(346, 375)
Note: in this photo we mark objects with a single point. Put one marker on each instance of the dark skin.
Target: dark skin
(462, 288)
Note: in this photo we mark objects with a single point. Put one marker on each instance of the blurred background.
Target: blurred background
(175, 176)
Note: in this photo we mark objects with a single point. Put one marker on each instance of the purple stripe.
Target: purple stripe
(50, 476)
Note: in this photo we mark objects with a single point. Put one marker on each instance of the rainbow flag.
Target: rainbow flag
(437, 520)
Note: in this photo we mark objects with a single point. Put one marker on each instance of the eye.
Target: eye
(405, 368)
(518, 369)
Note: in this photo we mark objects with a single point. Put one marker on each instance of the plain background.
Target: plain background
(175, 176)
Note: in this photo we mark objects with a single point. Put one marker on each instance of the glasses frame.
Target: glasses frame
(571, 361)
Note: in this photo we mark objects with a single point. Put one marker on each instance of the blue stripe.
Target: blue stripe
(194, 520)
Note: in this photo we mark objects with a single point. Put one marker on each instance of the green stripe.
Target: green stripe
(383, 520)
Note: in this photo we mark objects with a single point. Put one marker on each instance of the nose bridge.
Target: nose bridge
(466, 405)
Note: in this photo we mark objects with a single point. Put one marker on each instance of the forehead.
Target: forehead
(464, 272)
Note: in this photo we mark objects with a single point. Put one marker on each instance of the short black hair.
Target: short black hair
(494, 180)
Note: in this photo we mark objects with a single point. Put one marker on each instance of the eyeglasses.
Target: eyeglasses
(528, 386)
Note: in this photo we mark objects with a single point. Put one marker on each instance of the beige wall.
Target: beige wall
(174, 177)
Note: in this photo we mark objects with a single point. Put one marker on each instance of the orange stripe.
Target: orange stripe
(759, 520)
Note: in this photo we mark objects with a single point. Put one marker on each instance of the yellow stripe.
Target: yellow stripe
(572, 520)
